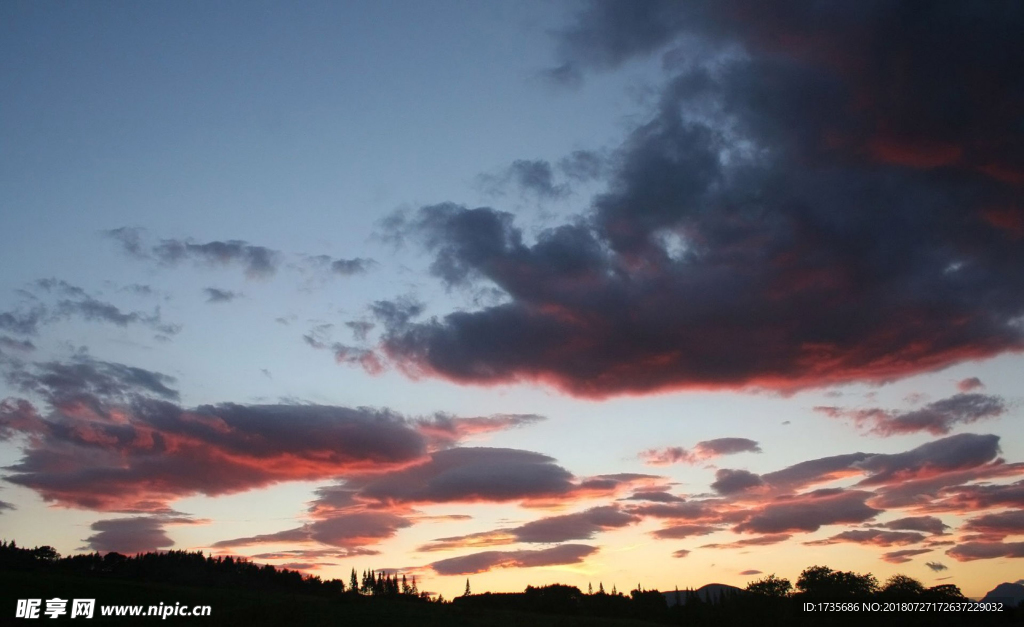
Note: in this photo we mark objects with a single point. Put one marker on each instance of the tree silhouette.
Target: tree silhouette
(771, 586)
(902, 586)
(467, 592)
(822, 581)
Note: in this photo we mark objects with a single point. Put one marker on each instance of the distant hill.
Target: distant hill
(1010, 593)
(709, 593)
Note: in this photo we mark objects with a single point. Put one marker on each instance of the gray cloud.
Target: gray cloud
(937, 418)
(216, 295)
(490, 560)
(808, 512)
(702, 451)
(133, 535)
(970, 551)
(734, 246)
(927, 524)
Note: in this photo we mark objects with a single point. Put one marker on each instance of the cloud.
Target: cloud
(750, 571)
(68, 301)
(956, 452)
(793, 213)
(216, 295)
(968, 498)
(684, 531)
(349, 530)
(111, 437)
(470, 474)
(21, 346)
(4, 505)
(731, 481)
(1001, 524)
(532, 176)
(22, 322)
(903, 556)
(927, 524)
(139, 534)
(680, 553)
(577, 526)
(970, 551)
(655, 496)
(257, 261)
(936, 566)
(765, 540)
(341, 267)
(810, 511)
(708, 449)
(970, 384)
(349, 267)
(937, 418)
(874, 537)
(490, 560)
(445, 430)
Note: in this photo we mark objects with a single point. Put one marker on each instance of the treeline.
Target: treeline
(769, 602)
(195, 569)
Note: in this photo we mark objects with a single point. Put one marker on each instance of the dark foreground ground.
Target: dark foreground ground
(258, 608)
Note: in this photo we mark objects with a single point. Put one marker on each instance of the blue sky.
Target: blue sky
(259, 261)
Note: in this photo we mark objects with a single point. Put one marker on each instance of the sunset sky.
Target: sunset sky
(520, 292)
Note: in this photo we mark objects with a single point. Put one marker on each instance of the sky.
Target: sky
(603, 293)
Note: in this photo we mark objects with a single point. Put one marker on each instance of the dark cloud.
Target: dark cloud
(702, 451)
(702, 511)
(471, 474)
(875, 537)
(349, 530)
(764, 540)
(315, 554)
(903, 556)
(341, 266)
(360, 328)
(970, 498)
(814, 471)
(731, 481)
(584, 165)
(750, 571)
(21, 346)
(4, 505)
(937, 418)
(23, 322)
(111, 437)
(970, 551)
(936, 566)
(956, 452)
(680, 553)
(445, 430)
(927, 524)
(797, 211)
(1001, 524)
(657, 497)
(810, 511)
(349, 267)
(216, 295)
(536, 177)
(73, 301)
(130, 239)
(133, 535)
(490, 560)
(684, 531)
(258, 261)
(578, 526)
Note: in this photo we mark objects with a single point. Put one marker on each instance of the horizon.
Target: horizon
(533, 292)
